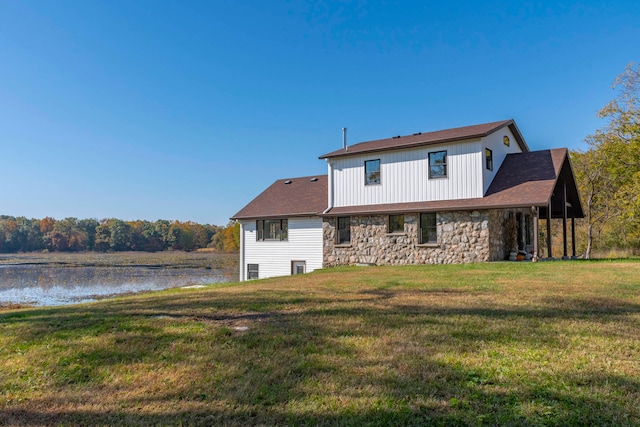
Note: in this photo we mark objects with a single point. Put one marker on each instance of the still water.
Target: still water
(53, 285)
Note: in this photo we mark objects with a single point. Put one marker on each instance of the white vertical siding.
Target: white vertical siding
(274, 257)
(404, 176)
(495, 142)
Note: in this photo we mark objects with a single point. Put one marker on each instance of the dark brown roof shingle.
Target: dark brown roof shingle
(428, 138)
(300, 197)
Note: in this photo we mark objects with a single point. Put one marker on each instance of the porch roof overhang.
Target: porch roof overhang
(437, 206)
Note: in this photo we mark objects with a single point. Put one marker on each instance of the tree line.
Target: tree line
(608, 173)
(20, 234)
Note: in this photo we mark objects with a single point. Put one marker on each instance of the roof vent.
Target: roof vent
(396, 137)
(344, 139)
(288, 181)
(418, 133)
(313, 179)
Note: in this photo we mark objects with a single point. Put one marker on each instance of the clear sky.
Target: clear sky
(187, 110)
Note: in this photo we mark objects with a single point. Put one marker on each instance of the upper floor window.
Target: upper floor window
(372, 172)
(506, 141)
(272, 229)
(438, 164)
(428, 228)
(343, 236)
(396, 223)
(488, 158)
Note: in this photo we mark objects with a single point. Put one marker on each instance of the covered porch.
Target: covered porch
(561, 210)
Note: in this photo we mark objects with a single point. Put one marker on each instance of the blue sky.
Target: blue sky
(187, 110)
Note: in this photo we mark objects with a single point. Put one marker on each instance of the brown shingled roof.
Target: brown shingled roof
(428, 138)
(289, 197)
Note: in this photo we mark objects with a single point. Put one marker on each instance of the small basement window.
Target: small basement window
(252, 271)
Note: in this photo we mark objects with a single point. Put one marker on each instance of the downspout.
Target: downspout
(564, 220)
(330, 189)
(549, 242)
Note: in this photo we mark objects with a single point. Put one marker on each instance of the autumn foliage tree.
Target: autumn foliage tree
(231, 238)
(608, 172)
(110, 234)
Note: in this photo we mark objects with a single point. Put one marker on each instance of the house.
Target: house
(469, 194)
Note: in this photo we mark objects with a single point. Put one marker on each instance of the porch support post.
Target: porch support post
(534, 212)
(549, 253)
(573, 235)
(564, 220)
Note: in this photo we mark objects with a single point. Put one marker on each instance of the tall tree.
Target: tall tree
(89, 226)
(609, 172)
(598, 187)
(120, 235)
(103, 236)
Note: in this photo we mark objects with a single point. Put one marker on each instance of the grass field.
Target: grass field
(555, 343)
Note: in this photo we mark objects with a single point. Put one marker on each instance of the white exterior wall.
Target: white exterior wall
(404, 176)
(274, 257)
(495, 142)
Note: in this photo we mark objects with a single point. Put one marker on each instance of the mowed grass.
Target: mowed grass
(552, 343)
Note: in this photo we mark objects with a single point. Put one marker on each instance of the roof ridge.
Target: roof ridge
(302, 177)
(427, 138)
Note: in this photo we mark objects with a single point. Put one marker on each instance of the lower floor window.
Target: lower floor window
(252, 271)
(272, 229)
(428, 228)
(396, 223)
(344, 230)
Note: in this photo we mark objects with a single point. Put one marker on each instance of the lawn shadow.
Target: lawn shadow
(310, 360)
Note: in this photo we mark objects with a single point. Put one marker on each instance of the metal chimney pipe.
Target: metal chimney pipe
(344, 139)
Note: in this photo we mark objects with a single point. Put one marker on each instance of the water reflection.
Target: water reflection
(44, 285)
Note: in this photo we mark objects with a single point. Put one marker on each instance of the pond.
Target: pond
(56, 279)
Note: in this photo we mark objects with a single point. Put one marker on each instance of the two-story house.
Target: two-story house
(468, 194)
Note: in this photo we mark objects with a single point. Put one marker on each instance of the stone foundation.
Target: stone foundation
(463, 237)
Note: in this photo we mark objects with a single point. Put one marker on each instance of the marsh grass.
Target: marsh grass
(552, 343)
(165, 259)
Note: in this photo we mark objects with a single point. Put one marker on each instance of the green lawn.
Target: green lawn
(551, 343)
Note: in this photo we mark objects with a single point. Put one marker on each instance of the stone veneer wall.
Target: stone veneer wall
(463, 237)
(498, 245)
